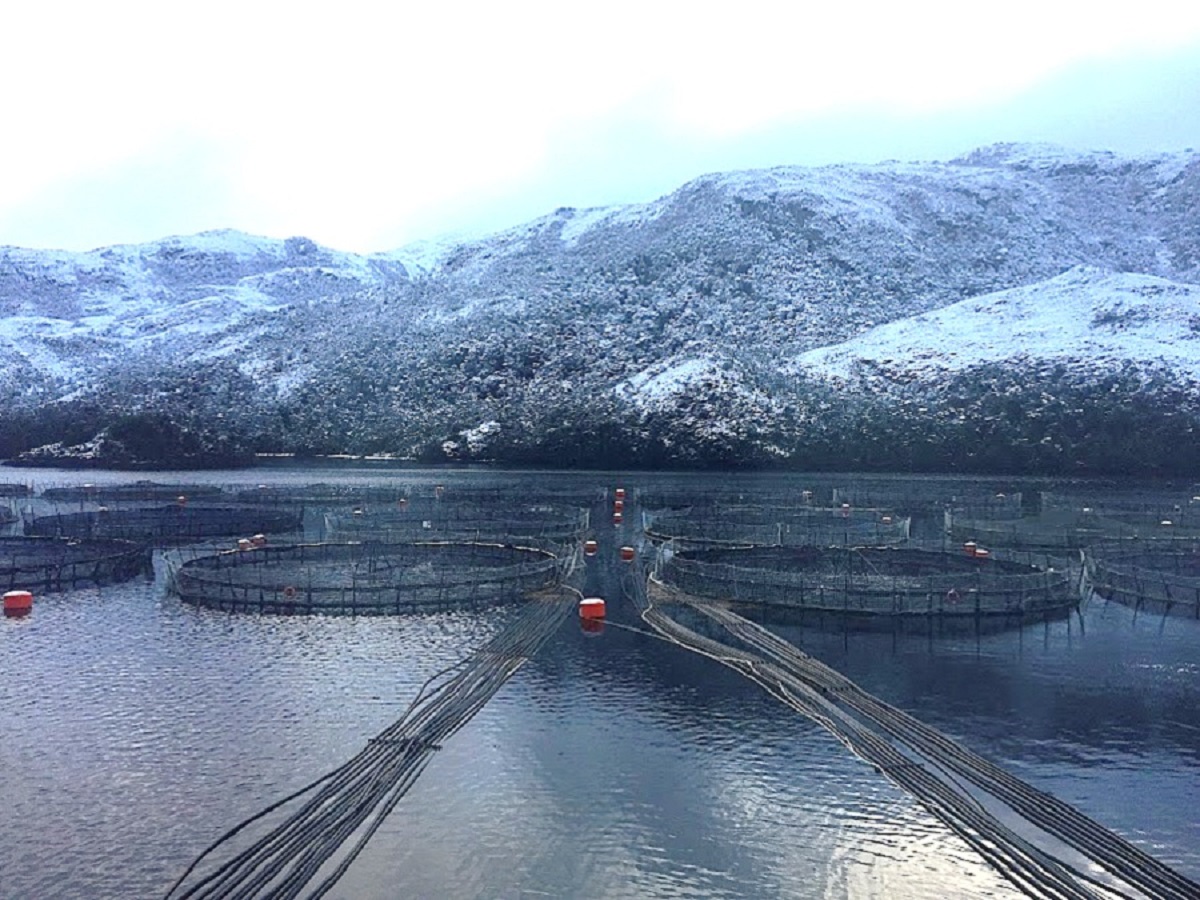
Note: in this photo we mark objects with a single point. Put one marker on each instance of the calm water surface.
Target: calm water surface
(134, 730)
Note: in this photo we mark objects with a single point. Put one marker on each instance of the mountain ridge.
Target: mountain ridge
(677, 329)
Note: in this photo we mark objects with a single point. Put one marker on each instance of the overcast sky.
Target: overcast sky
(365, 126)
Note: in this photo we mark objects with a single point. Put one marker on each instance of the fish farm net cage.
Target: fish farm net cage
(367, 578)
(1139, 509)
(870, 581)
(169, 524)
(535, 523)
(926, 496)
(59, 564)
(135, 492)
(13, 489)
(668, 498)
(1062, 530)
(716, 525)
(321, 495)
(1158, 575)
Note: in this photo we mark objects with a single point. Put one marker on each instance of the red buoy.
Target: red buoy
(619, 493)
(981, 553)
(969, 548)
(20, 603)
(627, 554)
(590, 547)
(259, 540)
(618, 506)
(181, 500)
(591, 608)
(618, 518)
(591, 626)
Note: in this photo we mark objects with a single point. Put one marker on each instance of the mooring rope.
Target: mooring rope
(363, 791)
(853, 715)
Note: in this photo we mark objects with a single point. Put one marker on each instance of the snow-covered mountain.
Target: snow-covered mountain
(806, 316)
(1087, 319)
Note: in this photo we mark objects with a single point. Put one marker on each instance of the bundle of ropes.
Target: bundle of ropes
(362, 792)
(927, 764)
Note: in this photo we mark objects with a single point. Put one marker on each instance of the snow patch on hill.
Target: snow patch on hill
(1086, 316)
(659, 384)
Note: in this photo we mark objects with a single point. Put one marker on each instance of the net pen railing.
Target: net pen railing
(366, 578)
(872, 581)
(784, 527)
(535, 524)
(1163, 576)
(173, 523)
(59, 564)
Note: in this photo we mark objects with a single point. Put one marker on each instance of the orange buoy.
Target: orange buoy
(590, 547)
(618, 518)
(591, 626)
(618, 506)
(619, 493)
(969, 548)
(981, 553)
(20, 603)
(627, 554)
(591, 608)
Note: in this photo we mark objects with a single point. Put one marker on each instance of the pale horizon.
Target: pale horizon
(367, 132)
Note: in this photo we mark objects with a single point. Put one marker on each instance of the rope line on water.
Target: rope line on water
(931, 766)
(360, 793)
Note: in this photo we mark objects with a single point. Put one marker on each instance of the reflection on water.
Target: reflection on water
(135, 730)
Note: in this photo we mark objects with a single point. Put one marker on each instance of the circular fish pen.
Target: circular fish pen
(1159, 576)
(746, 526)
(164, 525)
(929, 496)
(871, 582)
(134, 492)
(538, 523)
(60, 564)
(678, 499)
(1061, 530)
(321, 495)
(366, 579)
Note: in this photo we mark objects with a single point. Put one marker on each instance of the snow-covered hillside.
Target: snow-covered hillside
(1087, 318)
(67, 314)
(781, 314)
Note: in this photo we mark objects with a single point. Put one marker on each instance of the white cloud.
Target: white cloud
(345, 122)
